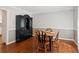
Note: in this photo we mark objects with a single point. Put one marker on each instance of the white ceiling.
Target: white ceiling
(44, 9)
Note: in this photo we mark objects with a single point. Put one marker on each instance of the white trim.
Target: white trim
(66, 39)
(70, 40)
(10, 42)
(59, 38)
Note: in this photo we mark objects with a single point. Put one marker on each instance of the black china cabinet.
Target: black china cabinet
(23, 27)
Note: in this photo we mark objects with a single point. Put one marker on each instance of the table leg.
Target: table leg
(50, 38)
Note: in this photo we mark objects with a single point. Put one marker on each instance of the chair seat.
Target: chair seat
(46, 43)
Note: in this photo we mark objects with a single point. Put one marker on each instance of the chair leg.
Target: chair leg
(57, 46)
(45, 49)
(37, 50)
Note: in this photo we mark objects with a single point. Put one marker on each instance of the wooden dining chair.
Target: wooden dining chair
(48, 29)
(56, 42)
(42, 44)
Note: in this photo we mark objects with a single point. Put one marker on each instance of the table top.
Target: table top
(53, 33)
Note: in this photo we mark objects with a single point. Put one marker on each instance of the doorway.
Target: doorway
(3, 26)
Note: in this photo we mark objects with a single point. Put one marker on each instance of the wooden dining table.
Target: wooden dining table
(50, 35)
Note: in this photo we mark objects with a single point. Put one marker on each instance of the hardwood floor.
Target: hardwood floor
(30, 46)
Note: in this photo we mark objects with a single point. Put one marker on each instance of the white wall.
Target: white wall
(58, 20)
(11, 21)
(61, 20)
(0, 16)
(75, 15)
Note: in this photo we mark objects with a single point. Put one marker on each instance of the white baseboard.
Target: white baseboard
(66, 39)
(10, 42)
(70, 40)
